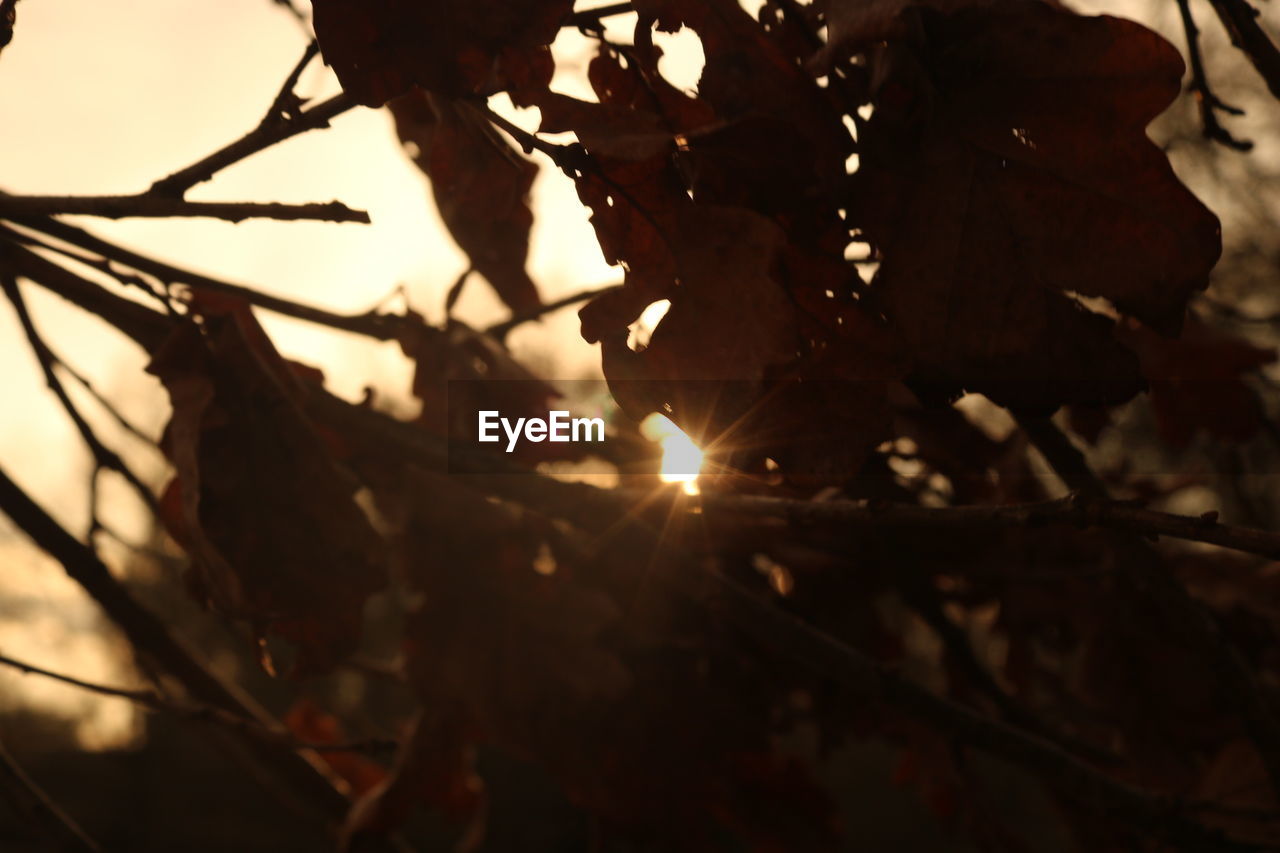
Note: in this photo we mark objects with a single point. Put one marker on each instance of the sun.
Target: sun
(681, 458)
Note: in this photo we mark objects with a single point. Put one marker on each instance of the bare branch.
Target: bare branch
(103, 456)
(151, 206)
(151, 638)
(107, 406)
(1074, 509)
(1208, 102)
(501, 330)
(591, 20)
(1147, 578)
(247, 726)
(33, 804)
(273, 128)
(1241, 22)
(383, 327)
(287, 105)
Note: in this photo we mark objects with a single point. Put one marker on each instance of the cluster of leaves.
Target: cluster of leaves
(986, 161)
(1003, 174)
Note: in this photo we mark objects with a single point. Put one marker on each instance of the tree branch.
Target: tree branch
(501, 330)
(1074, 509)
(591, 19)
(383, 327)
(103, 456)
(32, 803)
(1208, 102)
(152, 206)
(1141, 568)
(274, 127)
(154, 701)
(1241, 22)
(152, 639)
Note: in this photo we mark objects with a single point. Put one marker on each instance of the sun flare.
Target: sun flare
(681, 458)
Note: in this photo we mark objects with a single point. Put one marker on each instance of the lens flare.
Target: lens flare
(681, 458)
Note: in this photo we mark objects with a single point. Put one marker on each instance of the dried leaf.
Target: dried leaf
(1006, 167)
(481, 187)
(276, 537)
(8, 17)
(381, 48)
(1197, 381)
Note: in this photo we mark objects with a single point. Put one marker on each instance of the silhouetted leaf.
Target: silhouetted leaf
(380, 48)
(481, 187)
(1197, 381)
(269, 518)
(1006, 167)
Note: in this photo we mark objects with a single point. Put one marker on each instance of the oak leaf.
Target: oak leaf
(266, 512)
(1006, 169)
(481, 187)
(381, 48)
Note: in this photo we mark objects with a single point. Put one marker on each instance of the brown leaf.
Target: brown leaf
(481, 187)
(1006, 167)
(380, 48)
(311, 724)
(1197, 381)
(748, 76)
(493, 636)
(749, 314)
(853, 25)
(274, 533)
(8, 17)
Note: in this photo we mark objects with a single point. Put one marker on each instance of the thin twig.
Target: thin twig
(501, 330)
(1208, 102)
(1075, 509)
(383, 327)
(590, 20)
(103, 265)
(156, 206)
(155, 701)
(1143, 572)
(152, 639)
(287, 105)
(103, 456)
(31, 802)
(1241, 22)
(107, 406)
(266, 134)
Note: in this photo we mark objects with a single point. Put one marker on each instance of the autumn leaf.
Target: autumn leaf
(8, 16)
(747, 76)
(1197, 381)
(311, 724)
(269, 517)
(498, 638)
(381, 48)
(760, 301)
(481, 187)
(1005, 169)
